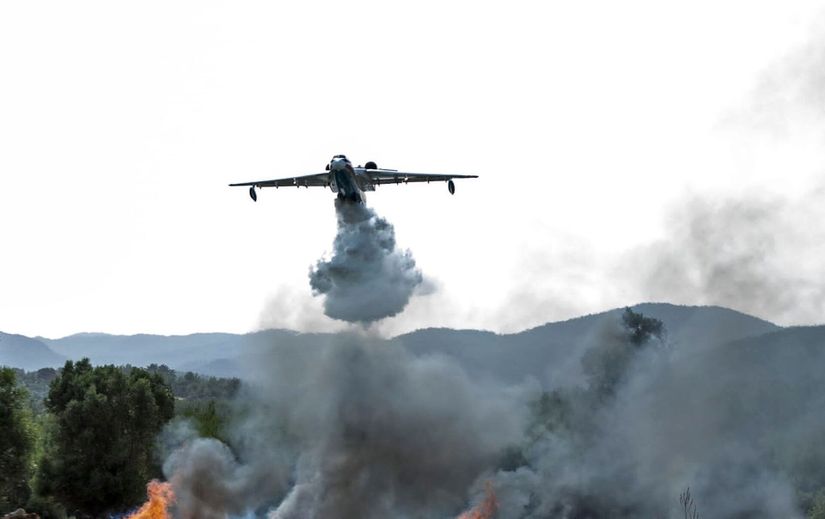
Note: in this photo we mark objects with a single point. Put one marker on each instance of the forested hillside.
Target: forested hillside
(57, 453)
(611, 415)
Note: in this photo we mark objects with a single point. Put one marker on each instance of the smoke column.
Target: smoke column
(367, 278)
(389, 434)
(352, 427)
(346, 425)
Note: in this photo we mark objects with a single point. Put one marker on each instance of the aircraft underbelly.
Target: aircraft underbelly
(348, 186)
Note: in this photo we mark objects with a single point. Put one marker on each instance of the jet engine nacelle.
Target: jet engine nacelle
(371, 165)
(451, 187)
(253, 194)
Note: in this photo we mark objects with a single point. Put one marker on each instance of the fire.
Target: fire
(486, 509)
(160, 497)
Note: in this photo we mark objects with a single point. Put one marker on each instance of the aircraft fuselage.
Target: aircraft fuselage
(345, 180)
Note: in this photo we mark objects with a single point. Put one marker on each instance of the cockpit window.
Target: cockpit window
(339, 157)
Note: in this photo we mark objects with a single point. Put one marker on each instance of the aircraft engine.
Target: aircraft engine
(253, 194)
(371, 165)
(451, 187)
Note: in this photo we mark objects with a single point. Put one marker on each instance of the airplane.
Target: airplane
(351, 182)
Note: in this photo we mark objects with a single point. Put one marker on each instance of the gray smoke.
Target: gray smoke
(211, 482)
(761, 255)
(367, 278)
(352, 427)
(736, 424)
(385, 433)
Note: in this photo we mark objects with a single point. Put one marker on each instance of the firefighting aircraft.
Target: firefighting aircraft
(351, 182)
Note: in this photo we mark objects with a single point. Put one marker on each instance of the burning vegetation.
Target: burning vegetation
(160, 498)
(487, 508)
(351, 426)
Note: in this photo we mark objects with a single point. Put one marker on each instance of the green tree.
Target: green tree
(641, 329)
(209, 417)
(100, 450)
(817, 508)
(16, 442)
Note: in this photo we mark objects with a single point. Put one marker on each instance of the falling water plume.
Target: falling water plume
(367, 278)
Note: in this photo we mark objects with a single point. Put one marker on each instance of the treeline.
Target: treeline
(185, 386)
(81, 441)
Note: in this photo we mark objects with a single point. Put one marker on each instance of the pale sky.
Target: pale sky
(121, 124)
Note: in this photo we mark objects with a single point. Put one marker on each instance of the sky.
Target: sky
(627, 152)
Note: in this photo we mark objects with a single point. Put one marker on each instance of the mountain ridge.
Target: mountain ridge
(27, 353)
(546, 352)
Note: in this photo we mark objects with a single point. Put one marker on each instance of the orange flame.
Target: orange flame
(486, 509)
(160, 497)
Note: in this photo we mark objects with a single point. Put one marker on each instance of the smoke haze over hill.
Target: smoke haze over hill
(564, 420)
(350, 426)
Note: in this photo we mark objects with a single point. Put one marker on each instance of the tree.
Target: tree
(641, 329)
(16, 442)
(209, 417)
(817, 507)
(606, 364)
(100, 450)
(688, 505)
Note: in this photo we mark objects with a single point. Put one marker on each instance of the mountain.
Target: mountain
(552, 352)
(549, 353)
(697, 326)
(23, 352)
(142, 349)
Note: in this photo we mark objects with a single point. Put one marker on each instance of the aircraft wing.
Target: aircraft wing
(314, 180)
(391, 176)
